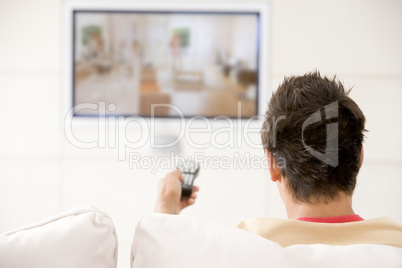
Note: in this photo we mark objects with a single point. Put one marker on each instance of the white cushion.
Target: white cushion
(83, 237)
(177, 241)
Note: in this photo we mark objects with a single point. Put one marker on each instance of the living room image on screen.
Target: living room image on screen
(202, 63)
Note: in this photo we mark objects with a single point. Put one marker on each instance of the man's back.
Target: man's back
(383, 231)
(312, 136)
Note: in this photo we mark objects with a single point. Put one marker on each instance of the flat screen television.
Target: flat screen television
(166, 60)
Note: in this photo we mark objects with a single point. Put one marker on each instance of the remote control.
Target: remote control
(190, 171)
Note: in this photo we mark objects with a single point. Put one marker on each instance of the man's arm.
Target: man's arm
(169, 199)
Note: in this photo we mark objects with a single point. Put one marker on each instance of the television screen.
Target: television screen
(165, 64)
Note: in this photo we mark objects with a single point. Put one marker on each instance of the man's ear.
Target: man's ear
(361, 157)
(273, 167)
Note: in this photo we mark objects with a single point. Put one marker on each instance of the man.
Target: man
(313, 138)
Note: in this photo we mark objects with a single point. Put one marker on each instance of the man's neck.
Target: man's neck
(338, 207)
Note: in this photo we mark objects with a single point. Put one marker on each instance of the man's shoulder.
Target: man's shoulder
(286, 232)
(272, 222)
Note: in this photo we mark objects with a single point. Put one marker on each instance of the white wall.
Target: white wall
(41, 173)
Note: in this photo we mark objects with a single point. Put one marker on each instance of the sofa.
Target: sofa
(82, 237)
(86, 237)
(177, 241)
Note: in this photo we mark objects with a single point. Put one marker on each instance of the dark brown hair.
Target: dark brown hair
(287, 136)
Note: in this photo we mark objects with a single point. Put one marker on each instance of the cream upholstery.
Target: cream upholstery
(85, 237)
(177, 241)
(80, 238)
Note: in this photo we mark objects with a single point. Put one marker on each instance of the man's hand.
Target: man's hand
(169, 199)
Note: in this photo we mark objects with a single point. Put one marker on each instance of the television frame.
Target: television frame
(196, 7)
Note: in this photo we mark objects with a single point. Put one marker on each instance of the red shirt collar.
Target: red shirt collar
(337, 219)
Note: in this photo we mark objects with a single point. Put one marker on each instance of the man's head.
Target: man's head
(291, 136)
